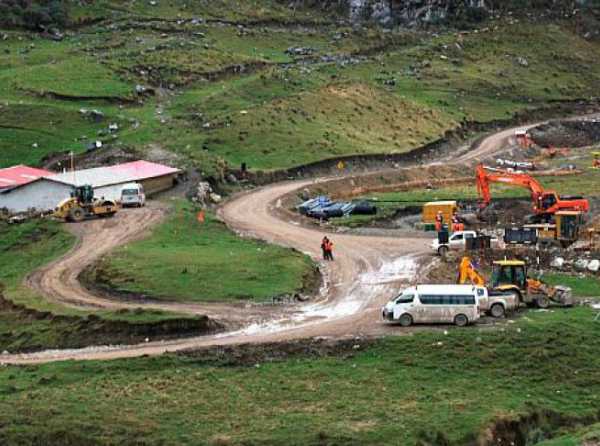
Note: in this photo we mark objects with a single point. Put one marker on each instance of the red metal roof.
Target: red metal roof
(110, 175)
(19, 175)
(143, 169)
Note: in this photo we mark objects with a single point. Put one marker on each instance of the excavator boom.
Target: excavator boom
(545, 202)
(467, 272)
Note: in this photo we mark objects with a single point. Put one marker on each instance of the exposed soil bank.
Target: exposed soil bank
(529, 429)
(252, 354)
(428, 153)
(567, 133)
(78, 332)
(524, 430)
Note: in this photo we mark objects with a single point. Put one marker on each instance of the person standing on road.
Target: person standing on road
(324, 245)
(439, 221)
(329, 250)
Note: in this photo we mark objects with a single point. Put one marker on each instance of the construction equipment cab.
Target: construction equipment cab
(491, 302)
(510, 277)
(82, 204)
(563, 232)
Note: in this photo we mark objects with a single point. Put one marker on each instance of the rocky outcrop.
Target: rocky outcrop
(414, 12)
(432, 12)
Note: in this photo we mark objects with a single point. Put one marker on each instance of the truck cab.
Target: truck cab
(456, 241)
(459, 241)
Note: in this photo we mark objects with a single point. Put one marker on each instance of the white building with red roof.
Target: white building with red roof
(15, 176)
(45, 192)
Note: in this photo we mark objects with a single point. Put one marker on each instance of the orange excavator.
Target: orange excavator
(545, 202)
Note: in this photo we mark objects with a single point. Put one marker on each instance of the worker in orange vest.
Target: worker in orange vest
(324, 245)
(329, 250)
(456, 224)
(439, 221)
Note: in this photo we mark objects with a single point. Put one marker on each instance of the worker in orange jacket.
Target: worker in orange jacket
(327, 248)
(456, 223)
(330, 250)
(439, 221)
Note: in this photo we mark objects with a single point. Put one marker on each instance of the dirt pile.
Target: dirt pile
(77, 332)
(580, 133)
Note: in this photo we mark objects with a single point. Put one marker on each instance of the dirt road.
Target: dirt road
(366, 273)
(59, 281)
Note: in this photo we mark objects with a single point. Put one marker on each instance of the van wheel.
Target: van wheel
(406, 320)
(442, 251)
(497, 311)
(461, 320)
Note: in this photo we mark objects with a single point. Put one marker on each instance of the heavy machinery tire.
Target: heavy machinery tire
(497, 311)
(76, 215)
(516, 296)
(406, 320)
(542, 302)
(460, 320)
(442, 251)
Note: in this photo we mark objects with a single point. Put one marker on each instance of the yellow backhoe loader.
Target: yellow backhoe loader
(509, 277)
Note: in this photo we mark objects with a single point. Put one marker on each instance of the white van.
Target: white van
(133, 194)
(430, 304)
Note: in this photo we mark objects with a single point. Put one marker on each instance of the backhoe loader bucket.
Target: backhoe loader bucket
(563, 295)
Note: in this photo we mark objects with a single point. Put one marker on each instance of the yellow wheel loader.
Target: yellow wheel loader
(509, 277)
(82, 204)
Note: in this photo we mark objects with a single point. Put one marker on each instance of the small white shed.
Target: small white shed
(40, 195)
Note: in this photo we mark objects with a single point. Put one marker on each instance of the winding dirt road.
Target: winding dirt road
(366, 273)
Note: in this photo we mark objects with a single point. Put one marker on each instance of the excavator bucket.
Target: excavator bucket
(563, 295)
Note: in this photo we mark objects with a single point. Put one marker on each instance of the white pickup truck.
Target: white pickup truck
(497, 304)
(458, 241)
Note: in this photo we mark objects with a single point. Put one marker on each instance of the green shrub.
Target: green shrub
(35, 15)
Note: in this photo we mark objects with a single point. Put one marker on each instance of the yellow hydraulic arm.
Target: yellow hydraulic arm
(467, 272)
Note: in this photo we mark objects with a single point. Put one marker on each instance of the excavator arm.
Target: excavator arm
(485, 176)
(467, 272)
(544, 201)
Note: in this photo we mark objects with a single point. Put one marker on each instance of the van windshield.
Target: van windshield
(130, 191)
(405, 299)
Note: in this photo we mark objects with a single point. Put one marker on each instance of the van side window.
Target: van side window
(447, 299)
(405, 299)
(480, 292)
(430, 300)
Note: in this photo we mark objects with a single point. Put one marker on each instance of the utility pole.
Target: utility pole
(72, 164)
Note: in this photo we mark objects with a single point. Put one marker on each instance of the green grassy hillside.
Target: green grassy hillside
(226, 90)
(435, 388)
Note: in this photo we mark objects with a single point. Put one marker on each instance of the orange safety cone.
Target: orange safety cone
(201, 217)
